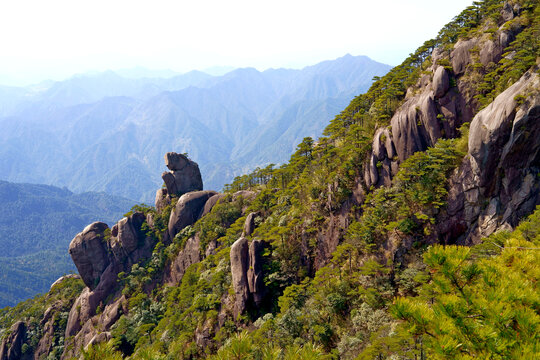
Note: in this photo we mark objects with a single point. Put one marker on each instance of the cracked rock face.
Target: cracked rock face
(441, 82)
(239, 267)
(11, 348)
(247, 273)
(498, 182)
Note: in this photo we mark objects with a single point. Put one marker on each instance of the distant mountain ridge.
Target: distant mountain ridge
(101, 132)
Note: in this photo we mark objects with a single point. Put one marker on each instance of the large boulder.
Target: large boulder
(460, 57)
(88, 251)
(441, 82)
(184, 176)
(211, 203)
(127, 236)
(255, 271)
(249, 224)
(187, 211)
(239, 266)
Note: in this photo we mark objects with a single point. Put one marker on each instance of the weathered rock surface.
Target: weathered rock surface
(212, 201)
(162, 199)
(498, 183)
(100, 257)
(188, 209)
(89, 253)
(184, 176)
(247, 273)
(435, 108)
(46, 342)
(249, 224)
(255, 271)
(441, 82)
(191, 254)
(415, 125)
(112, 313)
(460, 57)
(11, 348)
(127, 237)
(239, 267)
(383, 153)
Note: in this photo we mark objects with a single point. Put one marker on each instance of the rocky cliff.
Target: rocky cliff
(336, 233)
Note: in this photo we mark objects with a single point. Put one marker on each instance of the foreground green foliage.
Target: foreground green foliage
(362, 301)
(61, 297)
(477, 305)
(37, 224)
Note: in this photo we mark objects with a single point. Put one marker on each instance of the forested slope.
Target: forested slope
(352, 249)
(37, 223)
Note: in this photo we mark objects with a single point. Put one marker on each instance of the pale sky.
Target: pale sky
(55, 39)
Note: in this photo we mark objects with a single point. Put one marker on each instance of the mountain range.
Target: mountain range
(37, 223)
(106, 132)
(409, 230)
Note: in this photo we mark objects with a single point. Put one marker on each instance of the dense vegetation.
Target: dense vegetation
(37, 224)
(59, 299)
(347, 308)
(434, 302)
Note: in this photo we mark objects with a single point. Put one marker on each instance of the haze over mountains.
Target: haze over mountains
(106, 132)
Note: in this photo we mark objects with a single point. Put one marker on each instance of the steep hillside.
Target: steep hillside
(74, 124)
(349, 249)
(37, 223)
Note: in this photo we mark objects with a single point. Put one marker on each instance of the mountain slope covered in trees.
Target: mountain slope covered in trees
(37, 223)
(407, 231)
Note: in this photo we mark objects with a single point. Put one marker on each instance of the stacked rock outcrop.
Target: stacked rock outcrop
(100, 253)
(247, 269)
(184, 175)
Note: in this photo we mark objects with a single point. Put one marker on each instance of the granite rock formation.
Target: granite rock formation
(11, 348)
(188, 209)
(100, 254)
(239, 268)
(184, 175)
(498, 181)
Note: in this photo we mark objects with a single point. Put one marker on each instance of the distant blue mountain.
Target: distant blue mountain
(36, 226)
(96, 132)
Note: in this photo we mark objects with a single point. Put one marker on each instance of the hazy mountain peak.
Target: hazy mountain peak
(250, 116)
